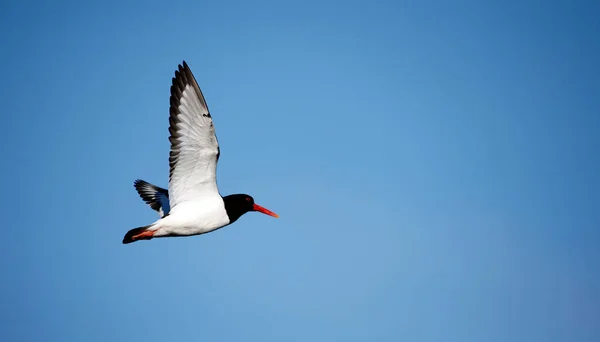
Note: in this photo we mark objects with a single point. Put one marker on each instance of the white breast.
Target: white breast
(194, 217)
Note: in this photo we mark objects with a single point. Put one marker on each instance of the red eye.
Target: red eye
(248, 199)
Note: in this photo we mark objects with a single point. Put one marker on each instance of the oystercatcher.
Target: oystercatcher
(193, 204)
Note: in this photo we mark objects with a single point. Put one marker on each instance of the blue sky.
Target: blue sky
(435, 166)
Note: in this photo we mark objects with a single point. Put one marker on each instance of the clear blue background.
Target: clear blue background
(435, 165)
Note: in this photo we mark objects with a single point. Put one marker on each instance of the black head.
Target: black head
(239, 204)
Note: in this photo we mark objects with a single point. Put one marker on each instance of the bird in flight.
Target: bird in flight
(192, 205)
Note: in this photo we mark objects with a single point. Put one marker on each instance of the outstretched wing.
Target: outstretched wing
(156, 197)
(194, 146)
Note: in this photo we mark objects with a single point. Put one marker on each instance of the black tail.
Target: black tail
(128, 238)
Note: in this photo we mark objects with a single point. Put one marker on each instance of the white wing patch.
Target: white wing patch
(194, 145)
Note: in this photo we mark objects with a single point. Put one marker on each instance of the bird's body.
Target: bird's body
(193, 218)
(193, 204)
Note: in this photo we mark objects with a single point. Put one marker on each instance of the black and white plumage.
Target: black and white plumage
(192, 205)
(156, 197)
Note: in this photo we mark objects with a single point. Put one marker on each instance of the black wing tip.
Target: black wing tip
(149, 193)
(185, 74)
(139, 183)
(183, 69)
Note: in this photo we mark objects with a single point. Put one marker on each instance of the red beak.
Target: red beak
(265, 211)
